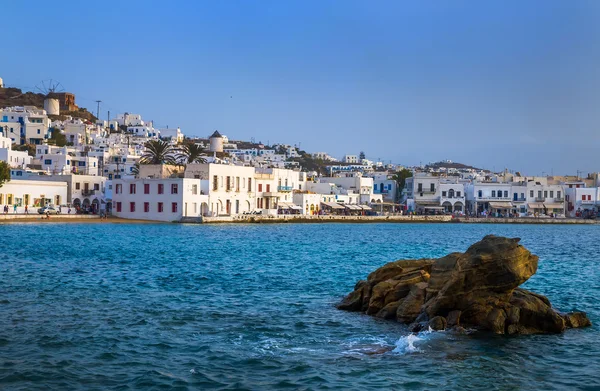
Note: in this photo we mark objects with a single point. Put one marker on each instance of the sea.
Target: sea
(252, 307)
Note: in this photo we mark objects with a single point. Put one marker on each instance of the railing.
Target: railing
(284, 188)
(88, 192)
(559, 199)
(485, 198)
(540, 199)
(588, 202)
(427, 191)
(520, 199)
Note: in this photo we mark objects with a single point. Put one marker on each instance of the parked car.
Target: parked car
(49, 209)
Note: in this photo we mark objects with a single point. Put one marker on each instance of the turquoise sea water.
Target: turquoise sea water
(129, 307)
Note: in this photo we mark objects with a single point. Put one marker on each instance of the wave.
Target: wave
(407, 343)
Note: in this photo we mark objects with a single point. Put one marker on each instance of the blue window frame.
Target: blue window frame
(48, 161)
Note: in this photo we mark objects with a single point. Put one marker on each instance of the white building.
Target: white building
(160, 199)
(66, 160)
(32, 193)
(173, 134)
(15, 159)
(25, 125)
(83, 191)
(352, 159)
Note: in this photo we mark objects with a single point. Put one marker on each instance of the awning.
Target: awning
(535, 205)
(353, 207)
(500, 205)
(333, 205)
(284, 205)
(434, 207)
(366, 207)
(296, 207)
(427, 203)
(554, 206)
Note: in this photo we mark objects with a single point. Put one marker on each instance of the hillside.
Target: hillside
(448, 165)
(16, 97)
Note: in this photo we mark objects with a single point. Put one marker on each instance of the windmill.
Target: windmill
(50, 89)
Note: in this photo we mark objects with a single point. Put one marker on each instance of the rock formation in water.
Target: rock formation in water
(476, 289)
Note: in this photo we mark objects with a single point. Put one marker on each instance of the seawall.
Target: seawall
(325, 219)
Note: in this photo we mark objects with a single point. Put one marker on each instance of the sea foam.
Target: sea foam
(407, 343)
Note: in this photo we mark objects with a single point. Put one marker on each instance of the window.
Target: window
(194, 189)
(146, 207)
(539, 194)
(39, 131)
(551, 194)
(96, 186)
(432, 187)
(260, 187)
(132, 207)
(81, 164)
(146, 188)
(443, 194)
(249, 184)
(530, 193)
(48, 161)
(493, 193)
(173, 188)
(118, 189)
(161, 188)
(77, 185)
(160, 207)
(268, 188)
(458, 194)
(237, 183)
(215, 182)
(132, 188)
(505, 193)
(420, 187)
(545, 193)
(227, 183)
(583, 197)
(174, 207)
(479, 193)
(558, 194)
(118, 205)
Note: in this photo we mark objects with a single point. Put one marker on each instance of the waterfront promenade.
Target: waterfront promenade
(383, 219)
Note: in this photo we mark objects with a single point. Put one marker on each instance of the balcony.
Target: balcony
(559, 199)
(519, 199)
(284, 189)
(426, 191)
(87, 193)
(540, 199)
(588, 202)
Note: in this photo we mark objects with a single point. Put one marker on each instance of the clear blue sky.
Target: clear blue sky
(493, 83)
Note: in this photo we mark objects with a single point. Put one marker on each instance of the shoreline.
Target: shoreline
(294, 219)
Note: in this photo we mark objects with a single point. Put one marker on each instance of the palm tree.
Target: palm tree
(191, 153)
(158, 152)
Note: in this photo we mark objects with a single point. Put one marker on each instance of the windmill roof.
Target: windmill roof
(216, 134)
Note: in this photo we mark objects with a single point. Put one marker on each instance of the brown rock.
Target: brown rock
(477, 289)
(438, 323)
(577, 319)
(389, 311)
(453, 318)
(410, 307)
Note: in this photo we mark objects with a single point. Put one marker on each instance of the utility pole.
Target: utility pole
(98, 109)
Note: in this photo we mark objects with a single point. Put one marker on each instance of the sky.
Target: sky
(496, 84)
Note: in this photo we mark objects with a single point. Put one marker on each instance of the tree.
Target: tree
(401, 176)
(158, 152)
(4, 173)
(60, 140)
(190, 153)
(362, 156)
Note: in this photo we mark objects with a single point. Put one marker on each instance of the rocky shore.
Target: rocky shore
(477, 289)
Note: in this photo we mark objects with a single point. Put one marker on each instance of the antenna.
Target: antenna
(98, 109)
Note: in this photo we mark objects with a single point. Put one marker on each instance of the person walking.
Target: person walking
(26, 210)
(15, 209)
